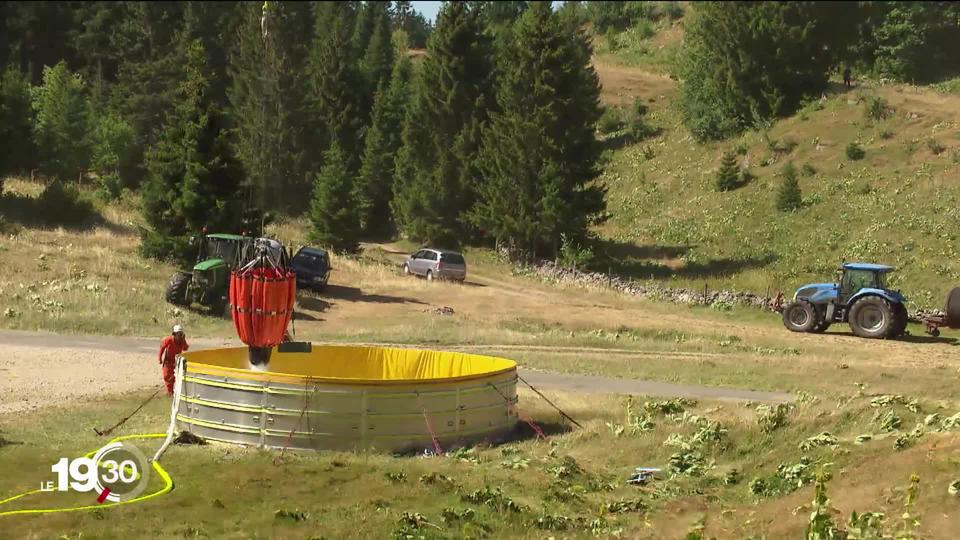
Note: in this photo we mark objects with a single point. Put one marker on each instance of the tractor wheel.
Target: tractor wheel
(800, 316)
(953, 308)
(219, 308)
(899, 321)
(177, 289)
(872, 317)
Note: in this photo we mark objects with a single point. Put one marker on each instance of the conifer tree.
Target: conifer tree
(267, 98)
(194, 179)
(788, 196)
(377, 61)
(539, 153)
(333, 218)
(728, 173)
(62, 115)
(374, 184)
(434, 186)
(334, 81)
(16, 121)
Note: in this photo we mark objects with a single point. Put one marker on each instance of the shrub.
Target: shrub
(572, 254)
(935, 146)
(886, 134)
(855, 152)
(729, 174)
(672, 10)
(740, 149)
(610, 121)
(63, 204)
(789, 197)
(808, 170)
(112, 145)
(638, 119)
(877, 109)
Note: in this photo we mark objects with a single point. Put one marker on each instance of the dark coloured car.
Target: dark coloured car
(312, 266)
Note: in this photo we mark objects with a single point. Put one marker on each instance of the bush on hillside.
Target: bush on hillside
(638, 119)
(672, 10)
(610, 121)
(62, 204)
(808, 169)
(728, 175)
(878, 109)
(855, 152)
(935, 147)
(789, 197)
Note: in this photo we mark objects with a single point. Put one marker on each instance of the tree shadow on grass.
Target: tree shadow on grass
(713, 268)
(627, 250)
(354, 294)
(312, 303)
(629, 260)
(627, 137)
(73, 214)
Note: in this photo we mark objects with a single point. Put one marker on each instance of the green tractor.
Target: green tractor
(208, 282)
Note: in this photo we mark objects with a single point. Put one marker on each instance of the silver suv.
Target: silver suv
(436, 264)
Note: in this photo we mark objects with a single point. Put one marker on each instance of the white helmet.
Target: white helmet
(177, 329)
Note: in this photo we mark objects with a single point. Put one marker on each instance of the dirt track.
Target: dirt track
(38, 370)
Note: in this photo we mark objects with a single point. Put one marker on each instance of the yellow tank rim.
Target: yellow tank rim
(352, 365)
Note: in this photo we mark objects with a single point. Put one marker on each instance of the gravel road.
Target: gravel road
(41, 369)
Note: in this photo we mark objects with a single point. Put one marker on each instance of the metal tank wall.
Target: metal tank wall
(348, 398)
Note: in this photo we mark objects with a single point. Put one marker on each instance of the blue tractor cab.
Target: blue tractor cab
(860, 297)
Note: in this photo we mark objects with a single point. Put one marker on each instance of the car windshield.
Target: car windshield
(309, 260)
(452, 258)
(217, 248)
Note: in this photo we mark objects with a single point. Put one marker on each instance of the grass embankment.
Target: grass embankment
(576, 480)
(896, 205)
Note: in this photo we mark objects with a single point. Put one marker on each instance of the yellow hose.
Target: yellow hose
(167, 485)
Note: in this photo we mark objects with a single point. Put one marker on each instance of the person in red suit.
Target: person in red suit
(170, 347)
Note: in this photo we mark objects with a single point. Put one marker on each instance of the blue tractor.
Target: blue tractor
(861, 298)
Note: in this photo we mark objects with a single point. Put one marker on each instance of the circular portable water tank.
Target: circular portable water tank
(348, 398)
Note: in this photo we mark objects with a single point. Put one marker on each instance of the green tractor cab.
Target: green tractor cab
(208, 282)
(860, 298)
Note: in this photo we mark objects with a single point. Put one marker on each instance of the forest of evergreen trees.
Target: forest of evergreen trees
(218, 113)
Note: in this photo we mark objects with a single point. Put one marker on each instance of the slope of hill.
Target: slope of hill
(896, 205)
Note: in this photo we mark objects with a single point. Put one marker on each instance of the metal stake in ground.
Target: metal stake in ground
(125, 418)
(565, 415)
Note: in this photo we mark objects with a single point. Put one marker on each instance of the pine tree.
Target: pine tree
(374, 184)
(788, 196)
(62, 116)
(194, 179)
(267, 97)
(149, 67)
(748, 61)
(539, 153)
(451, 98)
(377, 60)
(334, 80)
(333, 218)
(728, 174)
(16, 121)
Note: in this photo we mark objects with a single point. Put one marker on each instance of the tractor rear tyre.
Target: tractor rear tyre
(800, 316)
(900, 320)
(953, 308)
(176, 292)
(872, 317)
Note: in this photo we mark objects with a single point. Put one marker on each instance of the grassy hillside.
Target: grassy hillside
(896, 205)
